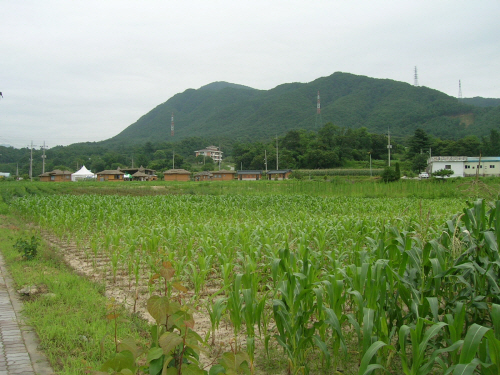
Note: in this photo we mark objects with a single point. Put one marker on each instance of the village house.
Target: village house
(55, 176)
(283, 174)
(110, 175)
(203, 176)
(222, 175)
(141, 174)
(176, 175)
(249, 175)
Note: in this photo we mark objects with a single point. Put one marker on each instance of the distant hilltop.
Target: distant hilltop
(240, 113)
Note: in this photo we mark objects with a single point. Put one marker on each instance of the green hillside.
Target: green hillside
(222, 110)
(482, 102)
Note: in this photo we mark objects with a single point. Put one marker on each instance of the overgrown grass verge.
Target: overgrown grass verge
(67, 311)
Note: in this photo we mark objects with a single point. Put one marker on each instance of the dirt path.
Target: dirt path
(134, 298)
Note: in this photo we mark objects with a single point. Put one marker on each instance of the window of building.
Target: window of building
(492, 166)
(447, 167)
(479, 166)
(52, 178)
(467, 167)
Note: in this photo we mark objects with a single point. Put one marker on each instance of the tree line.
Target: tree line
(329, 147)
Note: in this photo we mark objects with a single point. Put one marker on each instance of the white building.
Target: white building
(489, 166)
(466, 166)
(455, 163)
(212, 152)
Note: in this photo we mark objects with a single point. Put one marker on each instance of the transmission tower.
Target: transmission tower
(459, 90)
(415, 78)
(319, 120)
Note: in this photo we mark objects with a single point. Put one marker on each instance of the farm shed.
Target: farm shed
(283, 174)
(455, 163)
(249, 175)
(55, 176)
(176, 175)
(110, 175)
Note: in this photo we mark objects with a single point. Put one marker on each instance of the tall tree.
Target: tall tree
(419, 143)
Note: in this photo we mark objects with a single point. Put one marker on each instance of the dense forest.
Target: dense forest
(223, 111)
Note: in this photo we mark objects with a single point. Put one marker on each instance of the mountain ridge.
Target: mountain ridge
(232, 111)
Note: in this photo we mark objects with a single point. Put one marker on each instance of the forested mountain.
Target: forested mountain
(482, 102)
(221, 110)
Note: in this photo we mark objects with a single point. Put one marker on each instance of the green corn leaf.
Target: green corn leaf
(368, 317)
(495, 319)
(471, 343)
(466, 368)
(365, 368)
(322, 346)
(434, 305)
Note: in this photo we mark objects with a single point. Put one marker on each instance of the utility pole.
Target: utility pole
(173, 159)
(370, 153)
(31, 162)
(43, 157)
(265, 159)
(389, 146)
(277, 152)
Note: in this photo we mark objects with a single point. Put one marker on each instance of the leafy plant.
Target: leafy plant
(28, 248)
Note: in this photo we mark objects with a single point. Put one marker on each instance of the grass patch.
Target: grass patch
(73, 330)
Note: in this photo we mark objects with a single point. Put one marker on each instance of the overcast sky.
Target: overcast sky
(74, 71)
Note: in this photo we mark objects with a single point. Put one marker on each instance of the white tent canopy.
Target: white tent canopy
(82, 174)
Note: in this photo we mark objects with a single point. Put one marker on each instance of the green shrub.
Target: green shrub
(28, 249)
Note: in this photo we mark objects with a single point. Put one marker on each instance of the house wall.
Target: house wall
(249, 177)
(56, 178)
(109, 177)
(456, 166)
(176, 177)
(61, 178)
(281, 176)
(222, 176)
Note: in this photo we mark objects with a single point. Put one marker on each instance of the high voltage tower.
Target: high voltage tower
(319, 120)
(459, 90)
(415, 78)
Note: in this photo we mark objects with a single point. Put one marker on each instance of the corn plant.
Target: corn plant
(215, 311)
(294, 314)
(421, 361)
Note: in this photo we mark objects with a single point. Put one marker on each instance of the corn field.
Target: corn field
(403, 285)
